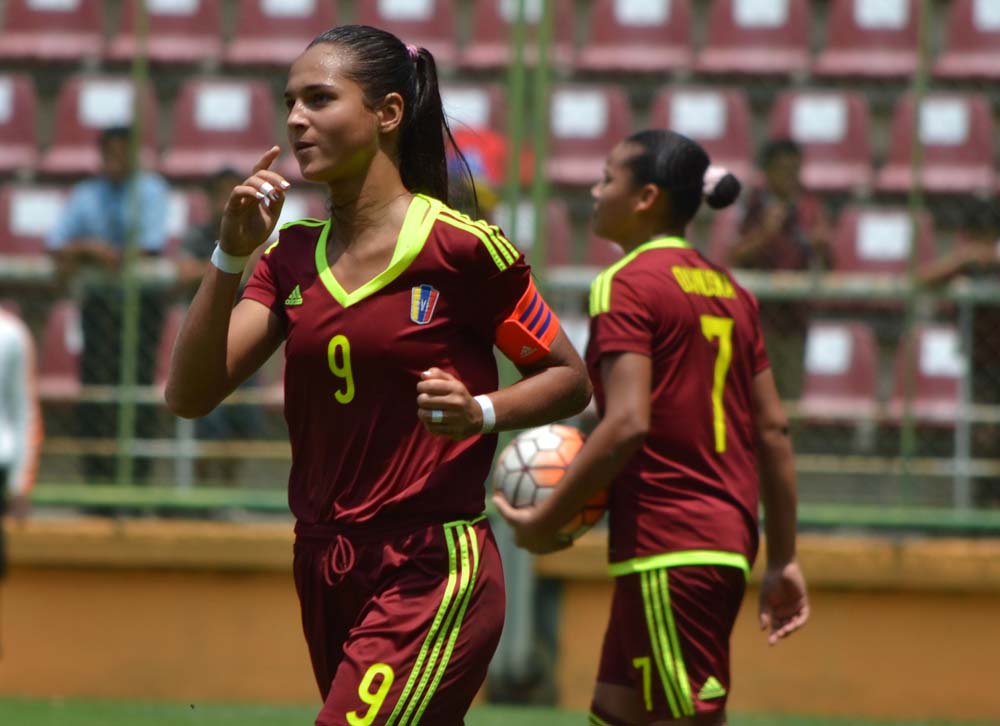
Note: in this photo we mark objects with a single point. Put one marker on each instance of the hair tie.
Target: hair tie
(413, 51)
(713, 175)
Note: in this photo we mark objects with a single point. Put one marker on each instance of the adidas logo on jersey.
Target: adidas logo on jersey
(294, 298)
(711, 689)
(527, 350)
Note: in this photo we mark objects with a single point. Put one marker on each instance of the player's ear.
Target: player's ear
(647, 196)
(390, 113)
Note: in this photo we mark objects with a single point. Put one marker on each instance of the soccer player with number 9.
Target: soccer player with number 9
(692, 433)
(389, 312)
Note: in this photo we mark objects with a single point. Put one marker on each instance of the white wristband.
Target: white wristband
(228, 263)
(489, 413)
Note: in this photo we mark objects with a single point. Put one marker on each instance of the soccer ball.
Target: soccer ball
(534, 463)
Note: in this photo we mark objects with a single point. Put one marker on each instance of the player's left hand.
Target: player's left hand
(446, 407)
(530, 531)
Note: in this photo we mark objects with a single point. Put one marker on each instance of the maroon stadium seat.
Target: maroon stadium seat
(840, 372)
(474, 106)
(270, 33)
(958, 138)
(972, 49)
(756, 37)
(185, 32)
(18, 123)
(490, 44)
(424, 23)
(934, 353)
(718, 119)
(880, 239)
(870, 39)
(833, 130)
(45, 31)
(27, 214)
(59, 354)
(217, 123)
(585, 122)
(558, 234)
(86, 105)
(651, 36)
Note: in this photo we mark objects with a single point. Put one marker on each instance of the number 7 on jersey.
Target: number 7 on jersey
(713, 327)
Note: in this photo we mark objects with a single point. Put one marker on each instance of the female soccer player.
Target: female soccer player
(689, 416)
(389, 312)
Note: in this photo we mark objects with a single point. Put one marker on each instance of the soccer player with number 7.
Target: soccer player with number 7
(691, 435)
(389, 312)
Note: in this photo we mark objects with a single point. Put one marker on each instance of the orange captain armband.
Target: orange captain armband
(526, 336)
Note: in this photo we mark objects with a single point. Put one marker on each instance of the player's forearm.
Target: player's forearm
(778, 492)
(606, 452)
(198, 377)
(549, 395)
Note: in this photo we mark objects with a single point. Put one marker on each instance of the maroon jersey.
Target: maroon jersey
(353, 361)
(693, 485)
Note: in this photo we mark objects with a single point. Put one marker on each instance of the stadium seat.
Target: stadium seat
(186, 208)
(424, 23)
(490, 45)
(27, 215)
(585, 122)
(86, 105)
(833, 130)
(717, 119)
(870, 39)
(474, 106)
(754, 37)
(840, 372)
(43, 30)
(219, 123)
(958, 138)
(558, 235)
(179, 32)
(18, 124)
(59, 354)
(938, 364)
(880, 240)
(972, 48)
(637, 36)
(270, 33)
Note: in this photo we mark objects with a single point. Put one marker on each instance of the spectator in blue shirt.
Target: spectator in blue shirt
(88, 244)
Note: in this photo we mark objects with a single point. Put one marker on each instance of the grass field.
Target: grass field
(23, 712)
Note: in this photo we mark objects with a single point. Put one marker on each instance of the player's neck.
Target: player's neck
(642, 236)
(359, 207)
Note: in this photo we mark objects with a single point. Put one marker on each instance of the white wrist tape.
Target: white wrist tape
(489, 413)
(226, 262)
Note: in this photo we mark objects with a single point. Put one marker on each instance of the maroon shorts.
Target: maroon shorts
(668, 637)
(400, 625)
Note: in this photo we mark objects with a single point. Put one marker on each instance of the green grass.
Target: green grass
(72, 712)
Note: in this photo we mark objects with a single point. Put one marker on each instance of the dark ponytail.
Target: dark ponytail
(383, 64)
(680, 166)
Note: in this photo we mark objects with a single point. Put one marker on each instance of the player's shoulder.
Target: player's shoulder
(462, 237)
(295, 236)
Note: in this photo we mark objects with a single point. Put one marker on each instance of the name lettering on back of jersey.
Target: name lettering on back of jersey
(294, 297)
(423, 299)
(706, 283)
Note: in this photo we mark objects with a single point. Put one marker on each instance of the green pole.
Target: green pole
(515, 122)
(539, 182)
(908, 432)
(130, 281)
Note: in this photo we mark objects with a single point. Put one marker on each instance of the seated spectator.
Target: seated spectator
(227, 422)
(976, 256)
(88, 243)
(784, 228)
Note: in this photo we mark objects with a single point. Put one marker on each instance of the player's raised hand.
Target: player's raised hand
(784, 604)
(446, 407)
(253, 208)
